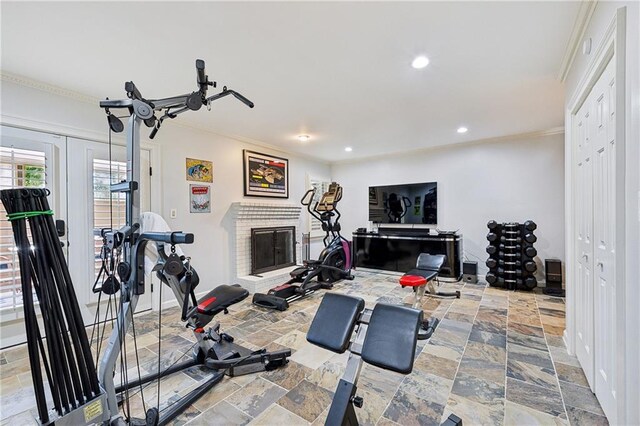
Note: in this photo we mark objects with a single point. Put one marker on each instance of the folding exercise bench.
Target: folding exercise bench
(422, 277)
(385, 337)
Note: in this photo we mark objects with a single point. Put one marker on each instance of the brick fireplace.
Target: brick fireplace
(247, 216)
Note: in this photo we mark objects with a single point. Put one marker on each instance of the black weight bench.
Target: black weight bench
(385, 337)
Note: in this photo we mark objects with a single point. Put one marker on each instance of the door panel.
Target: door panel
(595, 213)
(27, 159)
(92, 208)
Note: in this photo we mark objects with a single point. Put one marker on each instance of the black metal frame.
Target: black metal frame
(275, 230)
(245, 175)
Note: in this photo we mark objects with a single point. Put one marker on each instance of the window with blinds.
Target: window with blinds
(315, 226)
(109, 209)
(18, 168)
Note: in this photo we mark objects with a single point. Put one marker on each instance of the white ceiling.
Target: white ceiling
(337, 71)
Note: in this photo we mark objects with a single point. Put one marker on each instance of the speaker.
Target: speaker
(470, 272)
(553, 275)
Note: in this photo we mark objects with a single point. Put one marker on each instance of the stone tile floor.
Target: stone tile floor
(497, 357)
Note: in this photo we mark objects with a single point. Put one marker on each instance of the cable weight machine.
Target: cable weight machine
(80, 394)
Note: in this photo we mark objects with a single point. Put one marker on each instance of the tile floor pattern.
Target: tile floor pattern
(496, 358)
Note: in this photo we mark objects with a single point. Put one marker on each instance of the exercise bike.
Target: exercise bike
(333, 264)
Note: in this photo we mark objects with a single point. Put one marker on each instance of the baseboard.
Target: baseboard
(565, 339)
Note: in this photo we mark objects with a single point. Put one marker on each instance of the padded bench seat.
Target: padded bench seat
(220, 298)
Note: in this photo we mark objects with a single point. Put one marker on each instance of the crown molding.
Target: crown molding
(47, 127)
(513, 137)
(46, 87)
(577, 34)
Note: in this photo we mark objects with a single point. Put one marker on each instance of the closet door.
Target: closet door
(604, 207)
(584, 230)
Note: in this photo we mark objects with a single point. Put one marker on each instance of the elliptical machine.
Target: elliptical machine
(333, 264)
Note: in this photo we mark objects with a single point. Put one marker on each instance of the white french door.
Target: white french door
(93, 207)
(595, 203)
(27, 159)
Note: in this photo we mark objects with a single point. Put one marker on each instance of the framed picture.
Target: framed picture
(265, 175)
(199, 198)
(199, 170)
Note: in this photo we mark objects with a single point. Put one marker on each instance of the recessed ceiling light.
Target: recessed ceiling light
(348, 149)
(303, 138)
(420, 62)
(462, 130)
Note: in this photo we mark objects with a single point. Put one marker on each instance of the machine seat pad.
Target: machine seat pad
(390, 342)
(412, 281)
(430, 262)
(220, 298)
(423, 273)
(334, 322)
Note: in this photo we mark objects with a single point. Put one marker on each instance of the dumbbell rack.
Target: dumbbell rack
(511, 255)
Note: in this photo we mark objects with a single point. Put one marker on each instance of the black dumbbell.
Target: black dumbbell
(530, 225)
(508, 262)
(530, 238)
(530, 266)
(504, 239)
(491, 263)
(492, 224)
(491, 278)
(492, 236)
(516, 247)
(517, 272)
(492, 249)
(530, 251)
(530, 283)
(508, 256)
(508, 281)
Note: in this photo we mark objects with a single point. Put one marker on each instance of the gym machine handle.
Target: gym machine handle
(168, 237)
(226, 92)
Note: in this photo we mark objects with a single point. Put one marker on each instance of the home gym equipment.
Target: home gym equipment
(386, 337)
(333, 264)
(64, 349)
(511, 255)
(80, 395)
(421, 279)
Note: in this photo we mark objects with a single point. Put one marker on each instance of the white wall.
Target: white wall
(598, 24)
(41, 110)
(504, 180)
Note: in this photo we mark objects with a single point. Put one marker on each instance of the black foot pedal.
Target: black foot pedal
(428, 327)
(226, 337)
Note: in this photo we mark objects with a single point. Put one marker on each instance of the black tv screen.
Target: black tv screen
(413, 203)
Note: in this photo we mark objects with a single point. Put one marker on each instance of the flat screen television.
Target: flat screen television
(412, 203)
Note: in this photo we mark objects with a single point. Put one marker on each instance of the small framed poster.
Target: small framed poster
(199, 170)
(200, 198)
(265, 175)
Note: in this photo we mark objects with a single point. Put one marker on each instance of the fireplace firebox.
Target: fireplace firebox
(272, 248)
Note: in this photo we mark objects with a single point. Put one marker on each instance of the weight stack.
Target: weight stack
(511, 255)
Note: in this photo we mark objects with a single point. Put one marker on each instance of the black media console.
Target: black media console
(397, 249)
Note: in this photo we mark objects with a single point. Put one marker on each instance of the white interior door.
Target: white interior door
(595, 214)
(604, 206)
(27, 159)
(93, 207)
(584, 213)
